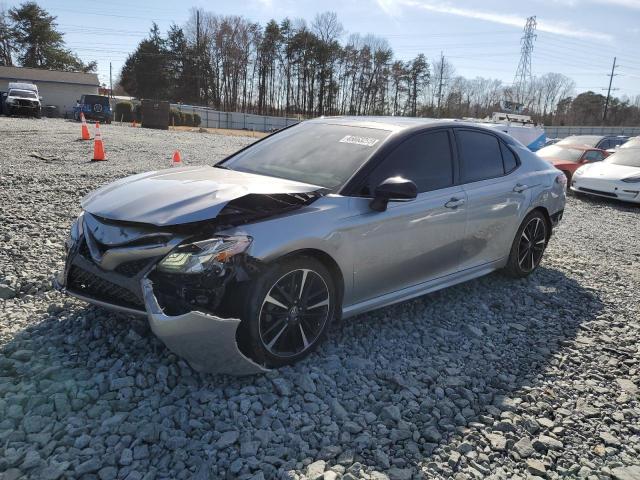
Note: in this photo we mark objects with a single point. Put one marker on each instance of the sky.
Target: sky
(578, 38)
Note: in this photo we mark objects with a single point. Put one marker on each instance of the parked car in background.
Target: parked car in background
(22, 99)
(94, 107)
(633, 142)
(602, 142)
(569, 158)
(618, 177)
(326, 219)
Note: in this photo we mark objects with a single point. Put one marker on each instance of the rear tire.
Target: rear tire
(528, 246)
(287, 311)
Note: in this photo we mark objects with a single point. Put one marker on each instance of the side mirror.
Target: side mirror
(396, 189)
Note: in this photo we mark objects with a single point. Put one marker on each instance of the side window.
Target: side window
(604, 144)
(480, 155)
(593, 156)
(425, 159)
(508, 159)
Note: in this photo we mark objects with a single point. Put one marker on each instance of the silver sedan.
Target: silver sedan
(241, 266)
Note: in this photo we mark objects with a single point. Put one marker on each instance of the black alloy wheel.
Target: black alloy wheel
(532, 243)
(294, 313)
(528, 245)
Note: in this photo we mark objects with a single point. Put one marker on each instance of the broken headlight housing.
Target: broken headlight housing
(204, 256)
(75, 233)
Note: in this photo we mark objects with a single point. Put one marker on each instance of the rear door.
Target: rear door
(496, 199)
(415, 241)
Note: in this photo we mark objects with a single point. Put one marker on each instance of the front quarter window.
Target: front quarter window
(311, 152)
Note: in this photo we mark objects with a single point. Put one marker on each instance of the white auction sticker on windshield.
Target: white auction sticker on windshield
(366, 141)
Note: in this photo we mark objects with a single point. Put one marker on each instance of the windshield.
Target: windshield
(96, 99)
(588, 140)
(21, 93)
(316, 153)
(628, 158)
(555, 152)
(631, 143)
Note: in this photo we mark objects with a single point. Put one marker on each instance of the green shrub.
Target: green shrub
(124, 112)
(196, 120)
(187, 119)
(175, 117)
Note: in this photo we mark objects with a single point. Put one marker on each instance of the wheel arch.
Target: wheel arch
(333, 267)
(547, 218)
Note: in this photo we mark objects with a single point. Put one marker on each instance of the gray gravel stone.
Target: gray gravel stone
(315, 470)
(409, 390)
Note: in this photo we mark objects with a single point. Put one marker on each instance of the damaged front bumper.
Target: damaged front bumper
(113, 267)
(206, 341)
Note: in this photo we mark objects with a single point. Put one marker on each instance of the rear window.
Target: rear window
(92, 99)
(508, 158)
(480, 154)
(628, 157)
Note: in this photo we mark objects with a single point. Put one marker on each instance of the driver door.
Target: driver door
(415, 241)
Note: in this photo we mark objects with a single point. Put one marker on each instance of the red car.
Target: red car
(569, 158)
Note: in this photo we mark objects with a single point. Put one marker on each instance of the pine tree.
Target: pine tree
(39, 44)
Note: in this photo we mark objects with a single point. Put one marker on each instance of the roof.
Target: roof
(385, 123)
(397, 124)
(39, 75)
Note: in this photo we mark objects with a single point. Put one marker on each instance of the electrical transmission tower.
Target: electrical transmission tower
(523, 74)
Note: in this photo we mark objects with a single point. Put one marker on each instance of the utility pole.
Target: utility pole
(198, 54)
(110, 81)
(440, 82)
(606, 103)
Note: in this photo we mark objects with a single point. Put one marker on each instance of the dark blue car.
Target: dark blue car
(94, 107)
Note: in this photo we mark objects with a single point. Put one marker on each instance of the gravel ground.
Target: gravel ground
(493, 378)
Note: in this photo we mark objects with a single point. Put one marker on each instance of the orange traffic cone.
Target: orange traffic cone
(177, 159)
(85, 129)
(98, 147)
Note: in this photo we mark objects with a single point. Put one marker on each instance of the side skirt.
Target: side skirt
(422, 288)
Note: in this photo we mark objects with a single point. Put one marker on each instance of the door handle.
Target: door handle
(520, 187)
(454, 203)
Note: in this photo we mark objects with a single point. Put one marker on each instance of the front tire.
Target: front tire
(528, 246)
(288, 310)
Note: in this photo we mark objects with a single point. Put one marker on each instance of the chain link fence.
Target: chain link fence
(565, 131)
(211, 118)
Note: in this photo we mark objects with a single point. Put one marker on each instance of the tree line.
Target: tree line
(292, 67)
(300, 68)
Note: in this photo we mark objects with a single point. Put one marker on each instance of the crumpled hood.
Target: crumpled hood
(181, 195)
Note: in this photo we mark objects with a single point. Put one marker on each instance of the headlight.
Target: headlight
(202, 256)
(635, 179)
